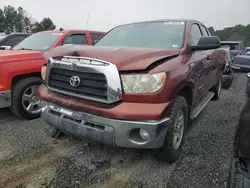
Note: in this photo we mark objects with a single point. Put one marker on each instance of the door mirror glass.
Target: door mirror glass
(95, 41)
(207, 43)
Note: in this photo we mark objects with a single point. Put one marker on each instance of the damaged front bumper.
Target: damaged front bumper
(122, 133)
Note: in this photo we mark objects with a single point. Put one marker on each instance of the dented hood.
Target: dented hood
(19, 55)
(124, 58)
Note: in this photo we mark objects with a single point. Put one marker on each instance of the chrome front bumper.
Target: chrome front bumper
(5, 99)
(105, 130)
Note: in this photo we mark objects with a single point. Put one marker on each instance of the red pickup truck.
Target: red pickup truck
(20, 68)
(138, 87)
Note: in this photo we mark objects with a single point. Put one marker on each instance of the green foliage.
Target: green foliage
(211, 30)
(45, 24)
(2, 21)
(17, 20)
(238, 32)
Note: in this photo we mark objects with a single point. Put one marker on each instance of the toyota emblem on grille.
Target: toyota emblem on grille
(74, 81)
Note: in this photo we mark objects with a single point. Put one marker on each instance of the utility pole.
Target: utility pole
(87, 21)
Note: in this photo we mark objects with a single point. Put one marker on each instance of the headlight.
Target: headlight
(143, 83)
(43, 72)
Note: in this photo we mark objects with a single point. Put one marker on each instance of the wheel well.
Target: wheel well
(19, 77)
(187, 93)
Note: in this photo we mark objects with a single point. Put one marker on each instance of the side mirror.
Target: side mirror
(207, 43)
(94, 42)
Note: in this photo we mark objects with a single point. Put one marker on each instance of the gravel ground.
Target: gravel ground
(30, 158)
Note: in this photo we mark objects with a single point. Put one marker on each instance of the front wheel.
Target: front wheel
(175, 137)
(25, 101)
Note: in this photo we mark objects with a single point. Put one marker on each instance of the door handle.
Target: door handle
(208, 58)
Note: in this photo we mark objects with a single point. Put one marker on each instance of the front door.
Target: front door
(200, 63)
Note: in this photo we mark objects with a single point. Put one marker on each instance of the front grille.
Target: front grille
(93, 84)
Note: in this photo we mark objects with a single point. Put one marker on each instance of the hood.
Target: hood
(19, 55)
(124, 58)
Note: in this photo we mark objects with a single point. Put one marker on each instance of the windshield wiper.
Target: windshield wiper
(24, 49)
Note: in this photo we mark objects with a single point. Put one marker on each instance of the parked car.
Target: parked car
(239, 173)
(247, 51)
(2, 35)
(20, 68)
(236, 47)
(241, 63)
(137, 87)
(8, 41)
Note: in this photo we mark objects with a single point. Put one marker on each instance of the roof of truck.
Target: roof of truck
(169, 20)
(166, 20)
(73, 30)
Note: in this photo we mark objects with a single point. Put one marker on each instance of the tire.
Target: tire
(21, 90)
(171, 152)
(231, 181)
(217, 89)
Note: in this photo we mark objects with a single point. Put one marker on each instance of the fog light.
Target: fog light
(144, 134)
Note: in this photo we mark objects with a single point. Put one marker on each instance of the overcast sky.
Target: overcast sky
(105, 14)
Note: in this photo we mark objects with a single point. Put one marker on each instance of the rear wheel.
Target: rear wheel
(25, 101)
(175, 136)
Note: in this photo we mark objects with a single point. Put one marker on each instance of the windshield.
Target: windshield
(38, 42)
(148, 35)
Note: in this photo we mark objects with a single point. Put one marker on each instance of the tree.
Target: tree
(248, 35)
(2, 21)
(27, 24)
(18, 20)
(36, 27)
(239, 30)
(211, 30)
(10, 18)
(45, 24)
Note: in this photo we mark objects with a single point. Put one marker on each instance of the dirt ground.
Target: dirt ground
(30, 158)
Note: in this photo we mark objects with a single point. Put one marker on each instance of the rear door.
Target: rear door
(78, 38)
(199, 64)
